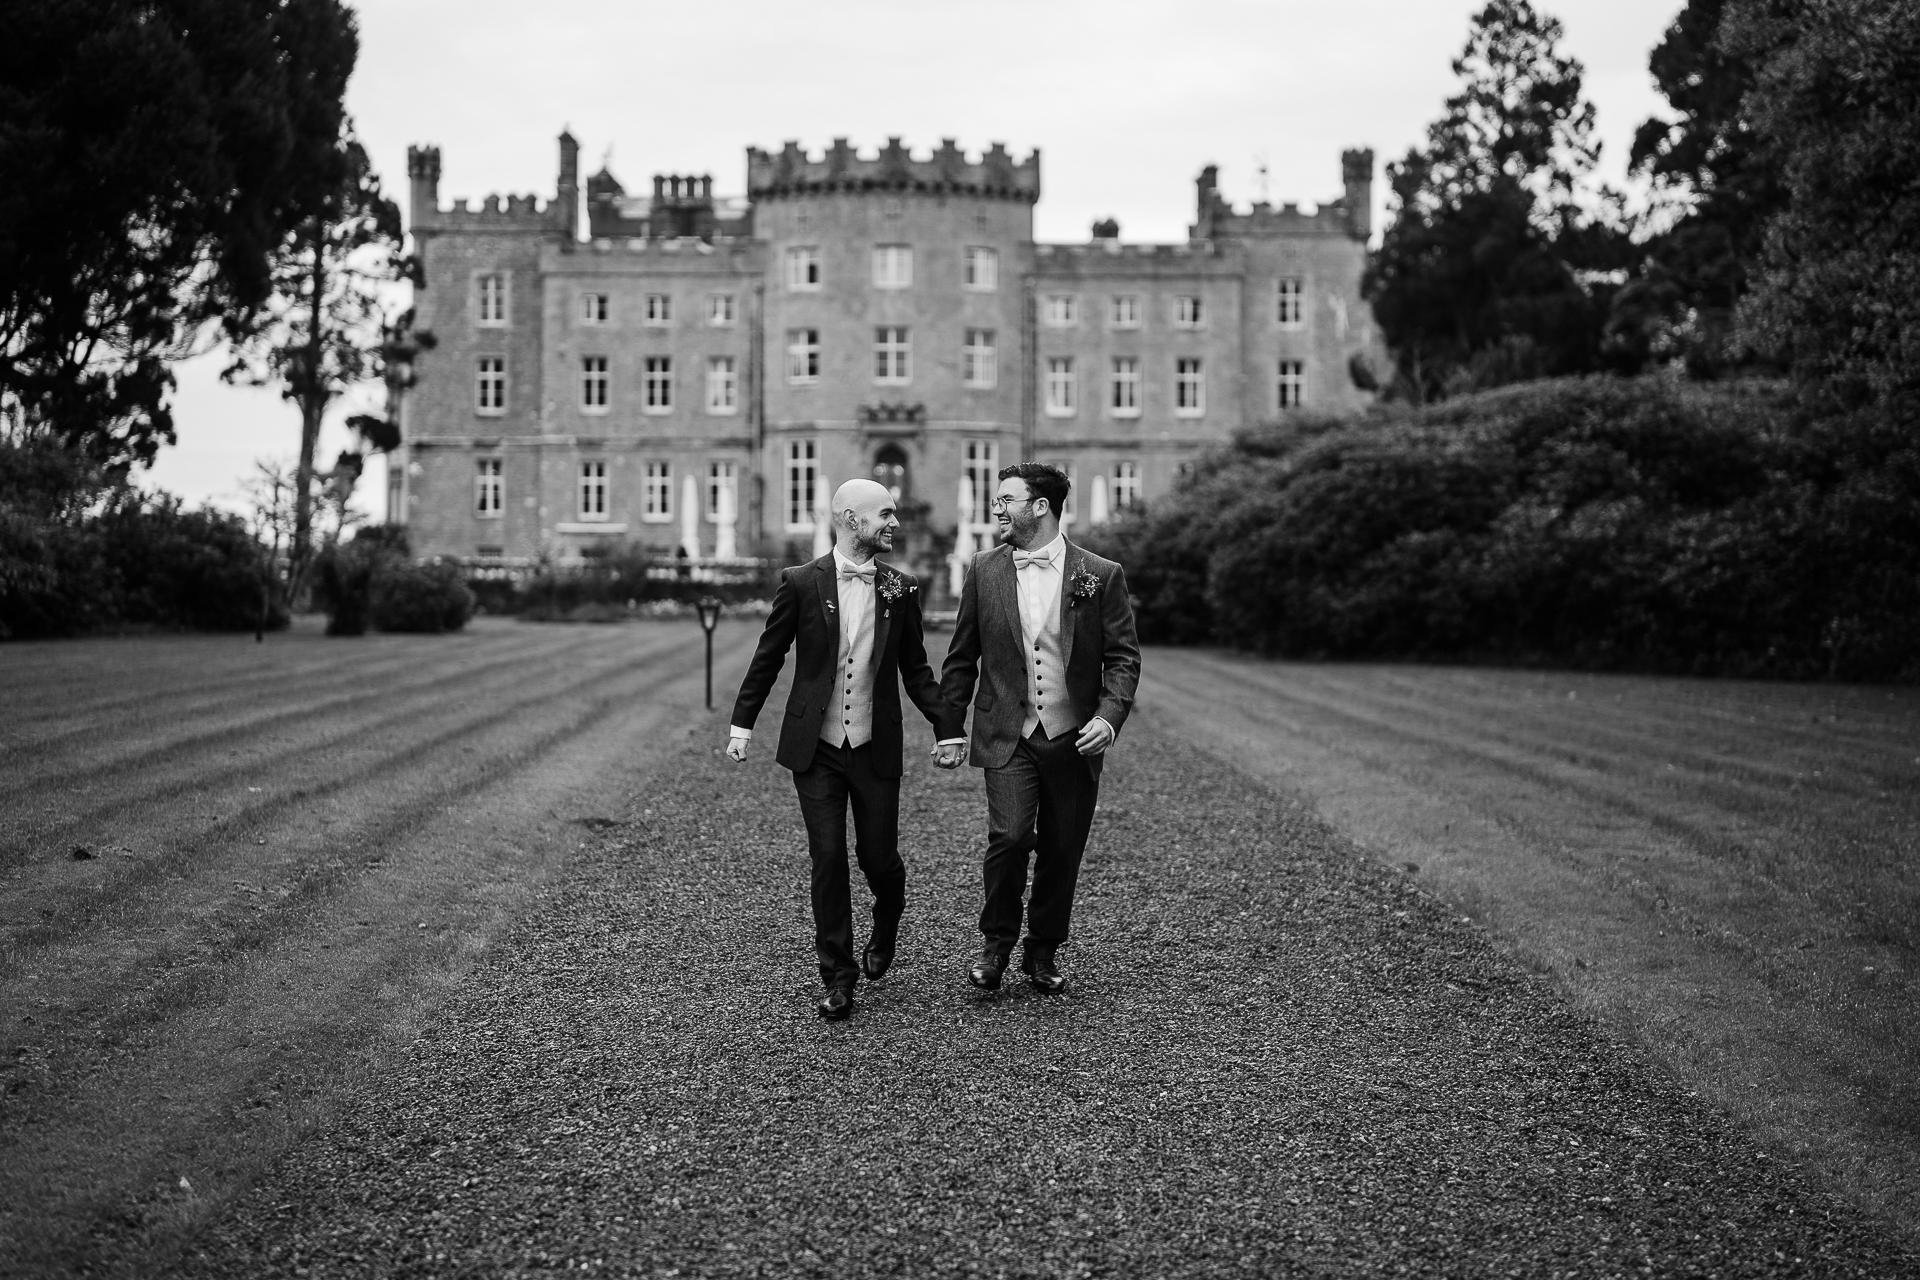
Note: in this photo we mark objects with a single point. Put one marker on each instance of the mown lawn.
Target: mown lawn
(244, 891)
(229, 872)
(1727, 870)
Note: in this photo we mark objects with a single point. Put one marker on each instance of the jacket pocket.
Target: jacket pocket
(796, 709)
(983, 703)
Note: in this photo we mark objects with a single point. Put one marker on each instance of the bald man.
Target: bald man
(857, 623)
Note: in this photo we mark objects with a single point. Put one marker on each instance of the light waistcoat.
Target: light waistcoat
(1039, 593)
(849, 717)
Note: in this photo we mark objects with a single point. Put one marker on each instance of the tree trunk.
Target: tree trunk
(311, 395)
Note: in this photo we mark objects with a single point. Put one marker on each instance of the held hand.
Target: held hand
(950, 756)
(1095, 738)
(737, 749)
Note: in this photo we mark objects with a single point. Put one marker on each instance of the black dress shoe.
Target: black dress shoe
(987, 968)
(836, 1004)
(1037, 964)
(875, 962)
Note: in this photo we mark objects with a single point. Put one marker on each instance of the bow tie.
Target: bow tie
(864, 572)
(1021, 559)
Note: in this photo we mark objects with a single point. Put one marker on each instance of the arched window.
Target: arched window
(890, 471)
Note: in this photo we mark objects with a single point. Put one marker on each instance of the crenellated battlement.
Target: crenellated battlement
(494, 213)
(792, 172)
(1102, 249)
(1348, 215)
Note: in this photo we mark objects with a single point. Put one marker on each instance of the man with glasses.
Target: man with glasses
(1045, 630)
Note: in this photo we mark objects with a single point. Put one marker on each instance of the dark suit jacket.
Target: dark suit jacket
(1096, 637)
(806, 608)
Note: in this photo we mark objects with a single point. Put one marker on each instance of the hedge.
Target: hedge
(79, 554)
(1604, 523)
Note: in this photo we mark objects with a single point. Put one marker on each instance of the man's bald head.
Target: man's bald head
(863, 513)
(865, 497)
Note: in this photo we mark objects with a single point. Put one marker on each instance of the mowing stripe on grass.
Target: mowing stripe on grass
(199, 1036)
(185, 735)
(1758, 938)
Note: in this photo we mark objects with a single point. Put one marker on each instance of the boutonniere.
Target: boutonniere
(892, 586)
(1082, 586)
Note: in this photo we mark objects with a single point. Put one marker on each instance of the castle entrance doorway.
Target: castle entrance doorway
(890, 470)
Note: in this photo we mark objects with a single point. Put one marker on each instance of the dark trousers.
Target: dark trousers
(838, 779)
(1040, 802)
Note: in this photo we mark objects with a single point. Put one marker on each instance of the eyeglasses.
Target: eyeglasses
(1001, 504)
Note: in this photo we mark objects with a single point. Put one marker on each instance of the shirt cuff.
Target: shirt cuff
(737, 732)
(947, 742)
(1110, 729)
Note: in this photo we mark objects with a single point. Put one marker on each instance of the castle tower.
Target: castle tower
(896, 318)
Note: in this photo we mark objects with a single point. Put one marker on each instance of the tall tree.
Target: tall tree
(1836, 95)
(325, 328)
(1484, 274)
(1718, 179)
(154, 153)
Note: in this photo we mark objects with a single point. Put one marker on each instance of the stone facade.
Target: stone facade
(732, 360)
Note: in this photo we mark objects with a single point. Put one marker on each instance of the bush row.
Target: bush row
(137, 562)
(1604, 523)
(615, 586)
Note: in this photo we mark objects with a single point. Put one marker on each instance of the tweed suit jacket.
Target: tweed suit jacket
(806, 613)
(1097, 640)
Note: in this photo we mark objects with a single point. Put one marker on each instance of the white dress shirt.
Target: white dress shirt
(1039, 581)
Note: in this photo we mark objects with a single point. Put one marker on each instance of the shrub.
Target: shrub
(343, 585)
(80, 553)
(198, 570)
(1591, 522)
(423, 597)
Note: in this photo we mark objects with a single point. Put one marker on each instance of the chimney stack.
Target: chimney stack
(423, 178)
(1356, 171)
(566, 196)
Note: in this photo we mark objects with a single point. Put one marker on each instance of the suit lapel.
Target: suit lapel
(1070, 564)
(882, 613)
(1005, 588)
(827, 588)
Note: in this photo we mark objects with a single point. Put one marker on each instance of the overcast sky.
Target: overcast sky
(1126, 100)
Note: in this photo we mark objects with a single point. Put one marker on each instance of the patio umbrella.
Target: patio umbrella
(822, 515)
(962, 539)
(724, 546)
(690, 516)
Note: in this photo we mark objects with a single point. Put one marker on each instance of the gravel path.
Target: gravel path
(1275, 1059)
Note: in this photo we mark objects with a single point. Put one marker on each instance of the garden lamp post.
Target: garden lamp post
(709, 609)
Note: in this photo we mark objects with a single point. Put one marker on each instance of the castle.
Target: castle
(698, 372)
